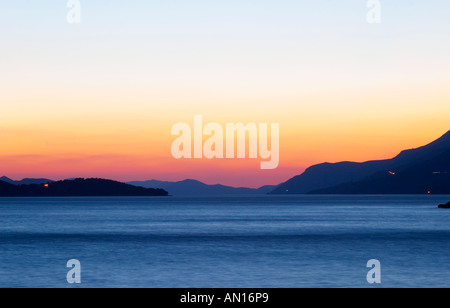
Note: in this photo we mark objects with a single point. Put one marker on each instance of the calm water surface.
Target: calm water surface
(245, 241)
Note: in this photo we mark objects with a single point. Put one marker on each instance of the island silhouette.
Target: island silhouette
(191, 187)
(77, 188)
(444, 206)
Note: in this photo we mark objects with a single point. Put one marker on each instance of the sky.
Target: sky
(99, 98)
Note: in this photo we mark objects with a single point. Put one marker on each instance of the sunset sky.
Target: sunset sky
(99, 98)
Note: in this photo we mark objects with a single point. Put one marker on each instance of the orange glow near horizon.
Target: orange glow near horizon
(135, 145)
(135, 155)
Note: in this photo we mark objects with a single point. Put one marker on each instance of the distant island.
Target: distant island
(197, 188)
(25, 181)
(444, 206)
(425, 170)
(77, 188)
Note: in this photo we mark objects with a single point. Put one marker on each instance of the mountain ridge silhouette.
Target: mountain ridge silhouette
(319, 178)
(25, 181)
(190, 187)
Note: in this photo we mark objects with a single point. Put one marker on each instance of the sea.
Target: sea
(225, 242)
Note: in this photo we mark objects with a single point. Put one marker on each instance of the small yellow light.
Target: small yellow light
(46, 185)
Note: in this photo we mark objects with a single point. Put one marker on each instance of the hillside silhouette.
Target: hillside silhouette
(197, 188)
(77, 188)
(25, 181)
(416, 171)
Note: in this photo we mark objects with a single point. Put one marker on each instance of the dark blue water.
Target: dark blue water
(286, 241)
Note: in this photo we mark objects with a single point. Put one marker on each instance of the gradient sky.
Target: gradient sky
(99, 98)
